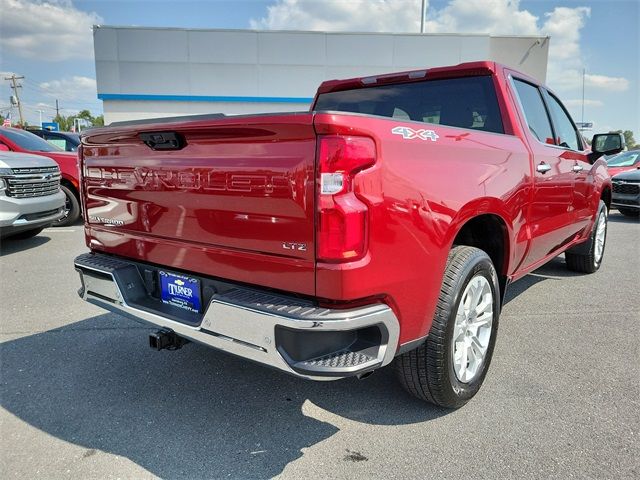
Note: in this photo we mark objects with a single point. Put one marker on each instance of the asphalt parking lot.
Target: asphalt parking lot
(82, 395)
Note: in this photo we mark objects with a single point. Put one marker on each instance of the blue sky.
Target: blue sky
(50, 42)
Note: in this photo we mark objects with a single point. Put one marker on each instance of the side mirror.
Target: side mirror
(4, 148)
(605, 144)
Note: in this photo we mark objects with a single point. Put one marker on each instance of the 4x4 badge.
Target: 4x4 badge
(409, 133)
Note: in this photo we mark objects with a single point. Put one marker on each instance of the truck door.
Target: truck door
(568, 137)
(551, 217)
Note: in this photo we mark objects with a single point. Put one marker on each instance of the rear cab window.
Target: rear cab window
(466, 102)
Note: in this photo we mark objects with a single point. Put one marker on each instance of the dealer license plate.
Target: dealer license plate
(180, 291)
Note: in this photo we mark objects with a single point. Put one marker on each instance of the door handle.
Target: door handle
(543, 168)
(578, 168)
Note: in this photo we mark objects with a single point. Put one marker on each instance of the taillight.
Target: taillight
(342, 217)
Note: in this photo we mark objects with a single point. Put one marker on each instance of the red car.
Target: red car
(17, 140)
(384, 225)
(623, 162)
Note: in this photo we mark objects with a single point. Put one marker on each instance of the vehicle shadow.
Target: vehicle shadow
(193, 413)
(620, 218)
(555, 269)
(12, 245)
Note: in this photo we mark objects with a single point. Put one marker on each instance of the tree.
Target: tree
(67, 123)
(629, 141)
(85, 115)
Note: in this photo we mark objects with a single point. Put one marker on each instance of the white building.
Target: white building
(157, 72)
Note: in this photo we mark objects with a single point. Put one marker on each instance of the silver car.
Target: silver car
(30, 195)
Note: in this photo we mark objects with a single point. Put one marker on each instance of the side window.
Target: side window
(565, 130)
(534, 111)
(58, 142)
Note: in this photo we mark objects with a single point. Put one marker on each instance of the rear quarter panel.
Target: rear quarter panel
(420, 193)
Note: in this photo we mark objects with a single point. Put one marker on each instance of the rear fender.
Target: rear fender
(485, 206)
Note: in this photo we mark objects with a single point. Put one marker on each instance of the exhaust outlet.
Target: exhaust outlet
(166, 340)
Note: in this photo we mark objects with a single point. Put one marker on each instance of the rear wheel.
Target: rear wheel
(71, 208)
(449, 368)
(587, 257)
(630, 212)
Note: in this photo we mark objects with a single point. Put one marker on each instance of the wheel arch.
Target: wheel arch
(490, 231)
(70, 184)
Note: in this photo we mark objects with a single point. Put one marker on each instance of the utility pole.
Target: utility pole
(57, 109)
(583, 75)
(15, 88)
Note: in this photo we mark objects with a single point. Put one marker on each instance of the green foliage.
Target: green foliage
(67, 123)
(629, 141)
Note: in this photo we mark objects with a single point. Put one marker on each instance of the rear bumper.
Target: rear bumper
(287, 333)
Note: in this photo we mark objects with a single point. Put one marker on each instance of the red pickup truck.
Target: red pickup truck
(384, 225)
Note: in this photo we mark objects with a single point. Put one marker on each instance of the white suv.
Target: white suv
(30, 195)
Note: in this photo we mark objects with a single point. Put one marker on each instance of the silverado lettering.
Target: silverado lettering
(333, 242)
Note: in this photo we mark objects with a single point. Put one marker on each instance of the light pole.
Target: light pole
(583, 74)
(423, 13)
(40, 112)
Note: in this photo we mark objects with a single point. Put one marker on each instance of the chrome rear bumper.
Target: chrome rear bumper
(287, 333)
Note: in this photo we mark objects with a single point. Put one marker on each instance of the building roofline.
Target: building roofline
(316, 32)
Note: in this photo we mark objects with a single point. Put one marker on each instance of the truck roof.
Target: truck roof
(463, 69)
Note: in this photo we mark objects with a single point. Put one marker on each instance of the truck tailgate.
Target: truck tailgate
(235, 198)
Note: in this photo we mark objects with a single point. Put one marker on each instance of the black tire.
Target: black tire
(629, 212)
(27, 233)
(584, 258)
(427, 372)
(71, 207)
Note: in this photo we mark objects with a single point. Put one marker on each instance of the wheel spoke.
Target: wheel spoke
(485, 305)
(462, 368)
(458, 332)
(477, 347)
(466, 301)
(477, 294)
(484, 320)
